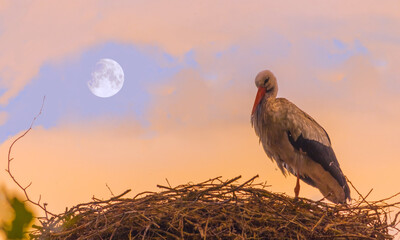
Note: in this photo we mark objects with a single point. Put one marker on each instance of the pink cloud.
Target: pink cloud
(3, 118)
(43, 31)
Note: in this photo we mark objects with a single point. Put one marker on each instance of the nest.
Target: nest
(217, 209)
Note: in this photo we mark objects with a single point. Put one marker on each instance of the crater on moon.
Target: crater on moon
(107, 78)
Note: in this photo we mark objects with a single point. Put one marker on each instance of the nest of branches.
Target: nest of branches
(217, 209)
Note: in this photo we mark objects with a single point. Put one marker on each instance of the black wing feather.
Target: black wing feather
(323, 155)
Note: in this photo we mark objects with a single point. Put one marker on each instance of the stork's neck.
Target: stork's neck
(270, 94)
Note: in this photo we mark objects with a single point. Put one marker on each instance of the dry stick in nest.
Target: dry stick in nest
(373, 206)
(8, 170)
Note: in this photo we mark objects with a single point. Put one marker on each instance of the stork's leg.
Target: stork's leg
(297, 188)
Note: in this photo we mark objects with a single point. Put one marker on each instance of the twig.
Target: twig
(166, 179)
(109, 189)
(8, 170)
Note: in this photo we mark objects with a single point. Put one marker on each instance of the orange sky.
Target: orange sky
(199, 117)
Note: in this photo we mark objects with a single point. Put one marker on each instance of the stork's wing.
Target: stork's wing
(307, 135)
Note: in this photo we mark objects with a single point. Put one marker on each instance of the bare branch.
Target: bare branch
(8, 170)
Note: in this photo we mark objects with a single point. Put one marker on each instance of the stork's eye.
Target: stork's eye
(266, 80)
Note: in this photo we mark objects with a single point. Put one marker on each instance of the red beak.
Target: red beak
(259, 97)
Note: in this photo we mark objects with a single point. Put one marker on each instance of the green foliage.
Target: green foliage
(20, 223)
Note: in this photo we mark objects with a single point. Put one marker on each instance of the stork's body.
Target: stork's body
(296, 141)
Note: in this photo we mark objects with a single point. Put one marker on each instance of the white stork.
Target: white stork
(296, 142)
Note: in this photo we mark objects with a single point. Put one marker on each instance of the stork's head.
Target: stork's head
(267, 86)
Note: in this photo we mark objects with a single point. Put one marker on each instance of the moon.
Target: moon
(107, 78)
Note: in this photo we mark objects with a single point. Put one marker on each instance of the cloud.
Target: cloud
(3, 118)
(51, 31)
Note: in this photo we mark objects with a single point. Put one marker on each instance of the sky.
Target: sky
(183, 113)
